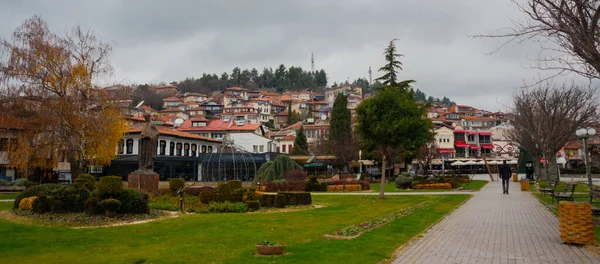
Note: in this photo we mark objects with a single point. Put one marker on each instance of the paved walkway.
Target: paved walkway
(496, 228)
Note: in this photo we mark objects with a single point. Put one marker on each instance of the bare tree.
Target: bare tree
(546, 117)
(569, 29)
(427, 153)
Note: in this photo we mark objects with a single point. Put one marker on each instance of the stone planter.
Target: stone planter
(270, 250)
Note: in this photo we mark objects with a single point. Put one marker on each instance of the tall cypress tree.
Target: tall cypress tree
(290, 119)
(300, 143)
(339, 127)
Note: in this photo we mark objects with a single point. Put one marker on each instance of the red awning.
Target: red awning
(487, 146)
(459, 131)
(472, 132)
(446, 150)
(485, 133)
(461, 145)
(474, 146)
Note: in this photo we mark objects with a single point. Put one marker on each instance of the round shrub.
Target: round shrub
(86, 181)
(223, 192)
(253, 205)
(5, 183)
(42, 204)
(109, 186)
(237, 196)
(91, 206)
(403, 182)
(27, 203)
(110, 206)
(132, 201)
(20, 182)
(432, 179)
(267, 200)
(234, 184)
(208, 195)
(72, 199)
(176, 183)
(48, 189)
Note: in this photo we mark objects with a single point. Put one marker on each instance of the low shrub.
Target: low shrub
(5, 183)
(20, 182)
(292, 186)
(267, 200)
(228, 206)
(433, 186)
(253, 205)
(208, 195)
(47, 189)
(109, 186)
(313, 185)
(403, 182)
(223, 192)
(454, 182)
(294, 175)
(132, 201)
(353, 188)
(348, 188)
(237, 196)
(335, 188)
(365, 185)
(176, 184)
(85, 180)
(297, 198)
(72, 200)
(270, 187)
(27, 203)
(197, 190)
(432, 179)
(42, 204)
(235, 184)
(251, 195)
(280, 201)
(91, 206)
(110, 206)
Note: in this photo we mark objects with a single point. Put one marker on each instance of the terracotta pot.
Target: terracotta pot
(270, 250)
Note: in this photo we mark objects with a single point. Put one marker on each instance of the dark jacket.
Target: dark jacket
(505, 171)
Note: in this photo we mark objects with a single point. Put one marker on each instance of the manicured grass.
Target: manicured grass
(6, 196)
(475, 185)
(580, 187)
(230, 238)
(6, 206)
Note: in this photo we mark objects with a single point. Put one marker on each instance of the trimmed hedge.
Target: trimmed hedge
(280, 201)
(42, 204)
(176, 184)
(365, 185)
(69, 199)
(27, 203)
(234, 184)
(237, 196)
(132, 201)
(110, 206)
(109, 186)
(208, 195)
(223, 192)
(197, 190)
(228, 207)
(85, 180)
(47, 189)
(433, 186)
(297, 198)
(253, 205)
(340, 188)
(91, 206)
(267, 200)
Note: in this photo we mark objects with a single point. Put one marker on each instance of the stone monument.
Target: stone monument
(144, 178)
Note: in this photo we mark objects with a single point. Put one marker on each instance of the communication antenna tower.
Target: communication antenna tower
(370, 75)
(312, 63)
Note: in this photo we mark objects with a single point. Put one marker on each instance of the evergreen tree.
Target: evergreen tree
(321, 78)
(420, 95)
(300, 143)
(290, 119)
(340, 132)
(391, 69)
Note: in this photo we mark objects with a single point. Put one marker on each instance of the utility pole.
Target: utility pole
(370, 76)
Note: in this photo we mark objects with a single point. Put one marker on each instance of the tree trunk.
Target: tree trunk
(537, 170)
(552, 168)
(382, 185)
(75, 166)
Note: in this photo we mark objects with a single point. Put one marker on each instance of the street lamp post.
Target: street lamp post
(585, 134)
(359, 163)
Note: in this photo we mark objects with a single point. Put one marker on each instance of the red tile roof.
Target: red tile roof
(172, 132)
(171, 109)
(219, 125)
(172, 99)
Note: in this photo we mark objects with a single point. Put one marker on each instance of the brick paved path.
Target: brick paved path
(496, 228)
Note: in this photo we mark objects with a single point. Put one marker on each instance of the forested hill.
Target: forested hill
(280, 79)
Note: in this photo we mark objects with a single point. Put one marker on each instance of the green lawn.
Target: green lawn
(475, 185)
(230, 238)
(6, 196)
(6, 206)
(580, 187)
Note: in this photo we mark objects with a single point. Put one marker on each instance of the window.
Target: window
(172, 149)
(121, 142)
(290, 149)
(162, 147)
(210, 149)
(440, 140)
(262, 148)
(194, 148)
(283, 148)
(255, 147)
(186, 149)
(203, 149)
(129, 146)
(178, 147)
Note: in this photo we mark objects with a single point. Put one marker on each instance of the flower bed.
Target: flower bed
(358, 229)
(433, 186)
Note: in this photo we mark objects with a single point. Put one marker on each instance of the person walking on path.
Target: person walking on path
(505, 173)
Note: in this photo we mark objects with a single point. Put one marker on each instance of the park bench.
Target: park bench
(550, 189)
(566, 195)
(595, 193)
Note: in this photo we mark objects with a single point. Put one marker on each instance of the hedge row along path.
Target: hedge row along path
(361, 228)
(495, 228)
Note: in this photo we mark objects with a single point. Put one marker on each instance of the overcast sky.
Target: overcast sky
(156, 41)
